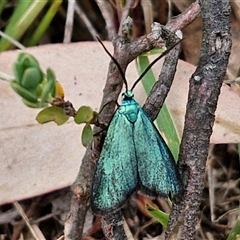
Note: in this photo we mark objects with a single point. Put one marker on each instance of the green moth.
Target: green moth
(134, 157)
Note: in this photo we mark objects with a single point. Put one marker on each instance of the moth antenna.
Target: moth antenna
(116, 62)
(153, 62)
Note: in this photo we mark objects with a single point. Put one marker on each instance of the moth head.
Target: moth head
(127, 95)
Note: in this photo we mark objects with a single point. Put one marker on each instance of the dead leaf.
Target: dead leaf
(37, 159)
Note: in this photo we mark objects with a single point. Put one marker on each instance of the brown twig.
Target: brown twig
(184, 19)
(204, 90)
(112, 226)
(125, 14)
(161, 88)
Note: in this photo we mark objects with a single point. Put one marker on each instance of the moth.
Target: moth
(134, 156)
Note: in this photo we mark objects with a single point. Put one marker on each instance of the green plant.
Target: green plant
(23, 21)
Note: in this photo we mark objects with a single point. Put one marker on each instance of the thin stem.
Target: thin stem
(12, 40)
(69, 22)
(6, 77)
(84, 18)
(153, 62)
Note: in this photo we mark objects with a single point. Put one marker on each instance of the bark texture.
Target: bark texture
(204, 91)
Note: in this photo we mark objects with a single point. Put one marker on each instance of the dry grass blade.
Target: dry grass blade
(69, 22)
(86, 21)
(12, 40)
(148, 14)
(36, 232)
(108, 15)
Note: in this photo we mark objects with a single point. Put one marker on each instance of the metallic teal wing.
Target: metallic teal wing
(115, 176)
(158, 174)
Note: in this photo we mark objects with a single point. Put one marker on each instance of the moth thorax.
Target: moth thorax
(127, 95)
(132, 117)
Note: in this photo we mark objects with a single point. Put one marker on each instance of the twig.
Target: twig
(204, 90)
(169, 9)
(37, 234)
(112, 226)
(148, 14)
(6, 77)
(86, 21)
(161, 88)
(46, 217)
(8, 216)
(108, 15)
(125, 13)
(69, 22)
(185, 18)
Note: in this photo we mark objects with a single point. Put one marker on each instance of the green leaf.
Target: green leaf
(153, 51)
(31, 78)
(23, 62)
(159, 215)
(18, 71)
(87, 135)
(95, 117)
(52, 113)
(44, 24)
(48, 87)
(2, 5)
(52, 78)
(235, 232)
(27, 60)
(84, 115)
(24, 93)
(33, 105)
(24, 15)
